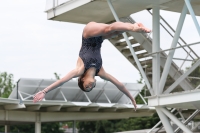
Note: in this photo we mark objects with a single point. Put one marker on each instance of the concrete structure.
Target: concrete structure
(68, 103)
(108, 11)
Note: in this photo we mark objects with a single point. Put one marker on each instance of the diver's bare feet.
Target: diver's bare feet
(139, 27)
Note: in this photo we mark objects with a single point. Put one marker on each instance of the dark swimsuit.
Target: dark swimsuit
(90, 53)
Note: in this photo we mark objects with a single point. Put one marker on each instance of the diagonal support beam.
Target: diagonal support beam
(132, 50)
(159, 124)
(171, 53)
(188, 119)
(63, 96)
(87, 97)
(175, 120)
(187, 2)
(180, 79)
(100, 93)
(165, 120)
(107, 97)
(142, 98)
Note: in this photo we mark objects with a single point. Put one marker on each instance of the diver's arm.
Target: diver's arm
(72, 74)
(118, 84)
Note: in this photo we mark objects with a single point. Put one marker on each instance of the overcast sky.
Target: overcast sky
(34, 47)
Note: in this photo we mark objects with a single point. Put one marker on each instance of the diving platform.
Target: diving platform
(84, 11)
(180, 100)
(69, 103)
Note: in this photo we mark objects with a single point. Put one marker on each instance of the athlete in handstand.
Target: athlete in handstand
(89, 63)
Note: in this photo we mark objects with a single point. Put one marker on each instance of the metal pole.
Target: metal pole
(188, 120)
(172, 35)
(172, 49)
(159, 123)
(187, 2)
(132, 50)
(7, 128)
(38, 123)
(17, 87)
(142, 98)
(74, 126)
(165, 121)
(171, 53)
(154, 127)
(162, 125)
(175, 120)
(156, 48)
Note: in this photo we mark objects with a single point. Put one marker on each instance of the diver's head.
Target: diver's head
(86, 83)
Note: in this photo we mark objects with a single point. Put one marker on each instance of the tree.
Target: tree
(6, 84)
(57, 76)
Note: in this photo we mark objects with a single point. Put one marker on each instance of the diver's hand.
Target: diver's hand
(134, 104)
(39, 96)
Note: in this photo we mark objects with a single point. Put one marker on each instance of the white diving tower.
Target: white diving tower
(168, 86)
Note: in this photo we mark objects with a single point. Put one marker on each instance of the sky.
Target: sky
(34, 47)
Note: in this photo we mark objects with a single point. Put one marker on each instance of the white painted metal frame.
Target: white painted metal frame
(159, 82)
(132, 50)
(101, 96)
(171, 53)
(188, 120)
(166, 71)
(187, 2)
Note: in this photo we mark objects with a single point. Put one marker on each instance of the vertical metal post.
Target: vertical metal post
(165, 121)
(7, 128)
(37, 123)
(156, 48)
(171, 53)
(17, 87)
(131, 49)
(74, 126)
(187, 2)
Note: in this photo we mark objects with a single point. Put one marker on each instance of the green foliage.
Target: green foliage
(86, 127)
(30, 128)
(110, 126)
(51, 128)
(6, 84)
(27, 128)
(57, 76)
(138, 99)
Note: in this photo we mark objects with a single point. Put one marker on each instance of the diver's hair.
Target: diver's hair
(81, 82)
